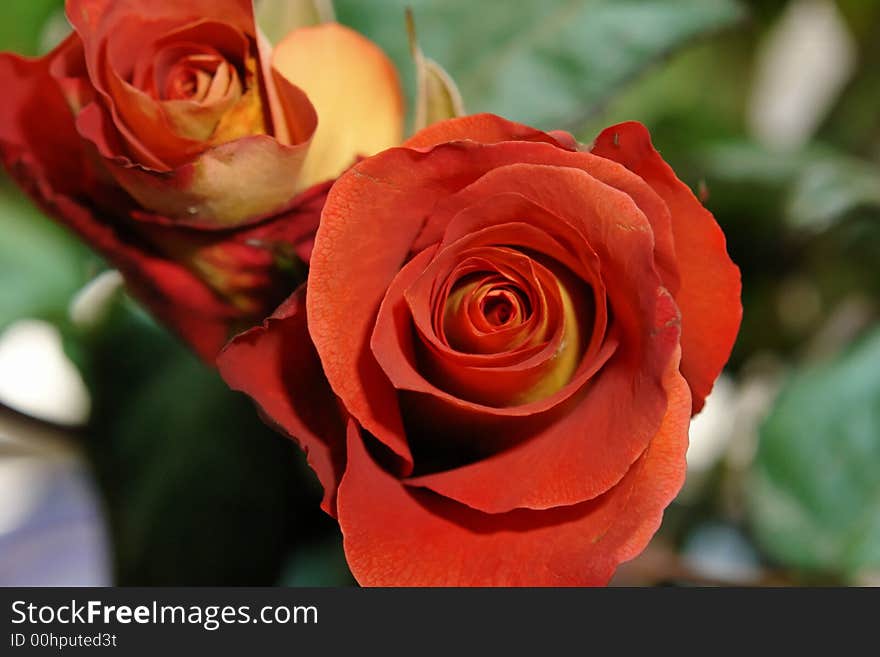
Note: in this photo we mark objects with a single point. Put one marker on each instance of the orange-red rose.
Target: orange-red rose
(495, 360)
(176, 141)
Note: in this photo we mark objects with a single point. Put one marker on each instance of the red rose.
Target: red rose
(516, 333)
(174, 140)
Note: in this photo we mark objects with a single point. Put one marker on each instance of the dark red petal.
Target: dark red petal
(40, 145)
(277, 366)
(396, 536)
(709, 296)
(174, 295)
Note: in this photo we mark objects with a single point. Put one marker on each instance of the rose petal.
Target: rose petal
(252, 269)
(355, 89)
(709, 296)
(67, 66)
(607, 172)
(395, 536)
(571, 460)
(97, 18)
(392, 344)
(483, 128)
(496, 379)
(150, 125)
(42, 155)
(108, 29)
(498, 218)
(174, 295)
(278, 368)
(455, 379)
(373, 214)
(227, 186)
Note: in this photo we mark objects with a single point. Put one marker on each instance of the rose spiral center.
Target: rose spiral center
(503, 306)
(480, 305)
(190, 77)
(203, 81)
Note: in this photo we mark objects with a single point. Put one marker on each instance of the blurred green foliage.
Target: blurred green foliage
(22, 24)
(542, 62)
(815, 491)
(197, 490)
(41, 264)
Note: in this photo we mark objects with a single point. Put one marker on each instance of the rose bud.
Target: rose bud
(173, 139)
(498, 352)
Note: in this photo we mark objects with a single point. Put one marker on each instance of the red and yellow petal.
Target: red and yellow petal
(355, 90)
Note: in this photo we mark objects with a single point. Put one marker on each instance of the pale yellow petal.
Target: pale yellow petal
(355, 90)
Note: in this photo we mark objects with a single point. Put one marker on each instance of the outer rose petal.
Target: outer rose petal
(43, 154)
(483, 128)
(397, 537)
(355, 89)
(276, 365)
(226, 186)
(709, 296)
(252, 268)
(173, 294)
(95, 18)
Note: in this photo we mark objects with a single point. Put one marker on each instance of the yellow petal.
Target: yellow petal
(355, 90)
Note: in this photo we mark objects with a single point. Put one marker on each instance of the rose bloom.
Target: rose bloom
(172, 138)
(494, 363)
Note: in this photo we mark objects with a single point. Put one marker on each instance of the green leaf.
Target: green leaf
(814, 494)
(543, 62)
(829, 190)
(823, 185)
(748, 162)
(22, 23)
(41, 263)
